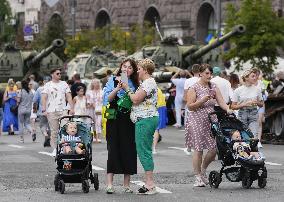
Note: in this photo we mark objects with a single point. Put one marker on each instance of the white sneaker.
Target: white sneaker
(259, 145)
(53, 153)
(199, 182)
(187, 152)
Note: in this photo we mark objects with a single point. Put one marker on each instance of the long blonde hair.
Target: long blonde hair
(92, 86)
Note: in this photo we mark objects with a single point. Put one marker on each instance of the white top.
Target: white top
(190, 82)
(247, 93)
(56, 95)
(80, 107)
(147, 108)
(224, 86)
(179, 83)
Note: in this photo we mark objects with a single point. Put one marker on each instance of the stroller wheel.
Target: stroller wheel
(61, 186)
(262, 182)
(85, 186)
(215, 179)
(247, 181)
(96, 181)
(56, 182)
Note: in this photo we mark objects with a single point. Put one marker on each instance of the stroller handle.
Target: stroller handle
(70, 117)
(225, 114)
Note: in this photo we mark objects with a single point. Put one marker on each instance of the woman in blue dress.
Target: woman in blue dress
(10, 120)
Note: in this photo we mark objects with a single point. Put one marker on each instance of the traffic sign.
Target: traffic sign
(36, 28)
(29, 38)
(28, 30)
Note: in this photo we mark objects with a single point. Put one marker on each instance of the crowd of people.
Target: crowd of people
(134, 131)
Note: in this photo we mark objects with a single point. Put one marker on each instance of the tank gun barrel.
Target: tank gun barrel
(238, 29)
(57, 43)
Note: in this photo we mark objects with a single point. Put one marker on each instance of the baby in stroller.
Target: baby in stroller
(71, 141)
(242, 149)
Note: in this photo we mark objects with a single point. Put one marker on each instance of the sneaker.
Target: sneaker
(198, 182)
(204, 178)
(177, 125)
(145, 191)
(128, 190)
(187, 152)
(21, 139)
(259, 145)
(54, 153)
(34, 137)
(109, 190)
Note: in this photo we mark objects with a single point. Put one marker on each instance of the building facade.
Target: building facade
(183, 18)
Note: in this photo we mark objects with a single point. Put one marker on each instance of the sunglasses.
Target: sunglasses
(59, 73)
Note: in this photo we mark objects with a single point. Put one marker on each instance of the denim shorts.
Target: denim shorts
(249, 118)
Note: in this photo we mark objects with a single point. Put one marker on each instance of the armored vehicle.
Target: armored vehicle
(170, 54)
(18, 64)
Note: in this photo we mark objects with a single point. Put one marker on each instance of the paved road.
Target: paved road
(27, 172)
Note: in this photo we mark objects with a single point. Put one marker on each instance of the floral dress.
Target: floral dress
(198, 129)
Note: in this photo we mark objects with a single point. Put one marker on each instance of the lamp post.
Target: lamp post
(73, 4)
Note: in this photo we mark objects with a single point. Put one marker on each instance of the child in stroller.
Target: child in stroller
(71, 137)
(235, 167)
(242, 149)
(74, 154)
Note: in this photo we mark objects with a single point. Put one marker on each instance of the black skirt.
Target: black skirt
(120, 136)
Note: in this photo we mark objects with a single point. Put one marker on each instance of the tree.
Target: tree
(264, 34)
(6, 29)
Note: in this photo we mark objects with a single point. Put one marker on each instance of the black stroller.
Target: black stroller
(235, 169)
(76, 168)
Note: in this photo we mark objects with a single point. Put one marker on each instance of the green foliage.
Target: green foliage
(7, 32)
(264, 34)
(111, 37)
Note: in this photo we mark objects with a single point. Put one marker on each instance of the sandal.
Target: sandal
(128, 190)
(198, 181)
(110, 190)
(145, 191)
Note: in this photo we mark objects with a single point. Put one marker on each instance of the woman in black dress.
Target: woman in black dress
(120, 132)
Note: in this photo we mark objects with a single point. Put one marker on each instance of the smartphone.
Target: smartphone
(124, 78)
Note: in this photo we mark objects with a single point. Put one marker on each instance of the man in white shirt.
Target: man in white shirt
(224, 86)
(54, 96)
(189, 83)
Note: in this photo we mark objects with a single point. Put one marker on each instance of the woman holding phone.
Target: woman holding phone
(120, 132)
(201, 99)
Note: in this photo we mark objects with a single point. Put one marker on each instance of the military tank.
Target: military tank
(18, 64)
(170, 55)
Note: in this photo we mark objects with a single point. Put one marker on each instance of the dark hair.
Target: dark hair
(234, 80)
(79, 88)
(76, 77)
(195, 69)
(70, 82)
(54, 70)
(203, 67)
(134, 75)
(108, 72)
(25, 84)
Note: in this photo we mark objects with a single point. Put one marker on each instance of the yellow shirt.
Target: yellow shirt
(161, 102)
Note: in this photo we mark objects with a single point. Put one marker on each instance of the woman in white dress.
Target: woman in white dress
(94, 104)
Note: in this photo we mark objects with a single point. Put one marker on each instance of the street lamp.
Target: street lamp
(73, 4)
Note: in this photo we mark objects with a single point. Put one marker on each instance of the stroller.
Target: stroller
(75, 168)
(236, 169)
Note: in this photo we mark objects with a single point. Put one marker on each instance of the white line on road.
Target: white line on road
(97, 168)
(272, 164)
(178, 148)
(16, 146)
(182, 130)
(46, 153)
(160, 190)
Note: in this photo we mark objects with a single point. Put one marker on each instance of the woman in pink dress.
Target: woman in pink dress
(94, 106)
(201, 99)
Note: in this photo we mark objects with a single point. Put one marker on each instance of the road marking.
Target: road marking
(182, 130)
(97, 168)
(178, 148)
(160, 190)
(16, 146)
(46, 153)
(272, 164)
